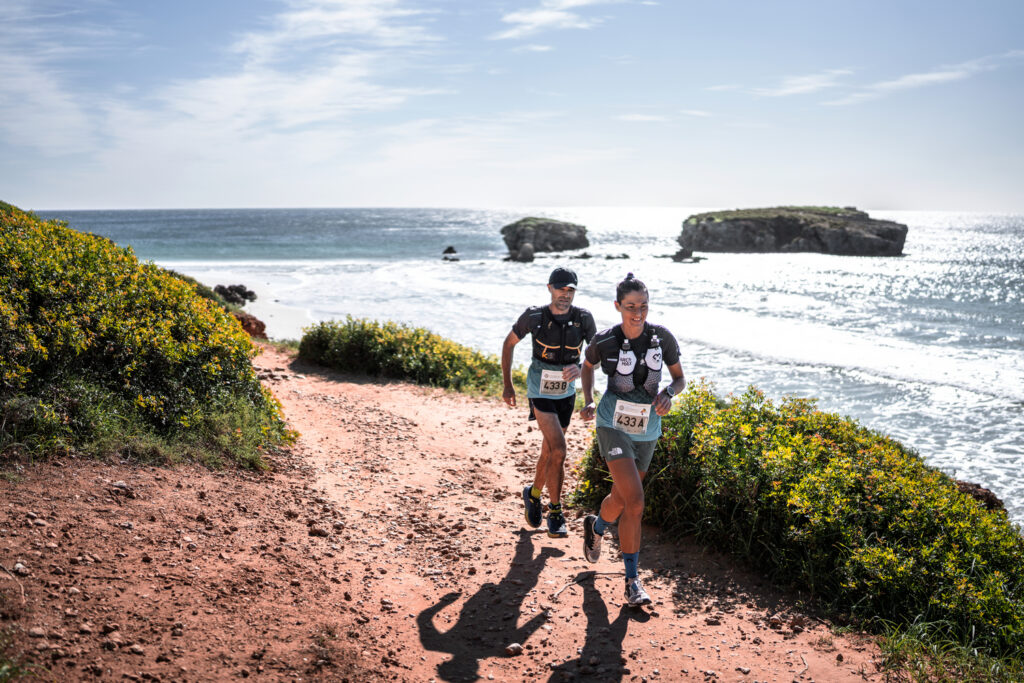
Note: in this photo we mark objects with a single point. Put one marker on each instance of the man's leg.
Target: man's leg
(540, 477)
(551, 466)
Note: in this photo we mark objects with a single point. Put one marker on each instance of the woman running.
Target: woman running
(632, 354)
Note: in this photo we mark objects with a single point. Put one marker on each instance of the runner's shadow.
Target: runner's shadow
(487, 620)
(601, 657)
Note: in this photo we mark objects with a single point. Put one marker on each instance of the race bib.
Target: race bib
(552, 384)
(631, 418)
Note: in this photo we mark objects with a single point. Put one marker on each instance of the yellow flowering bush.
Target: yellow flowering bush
(83, 323)
(848, 514)
(388, 349)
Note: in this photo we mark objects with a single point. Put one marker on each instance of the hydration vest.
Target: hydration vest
(626, 372)
(558, 343)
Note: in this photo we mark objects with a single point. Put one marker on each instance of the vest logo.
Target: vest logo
(626, 360)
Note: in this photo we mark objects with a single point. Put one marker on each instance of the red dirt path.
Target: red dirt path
(388, 544)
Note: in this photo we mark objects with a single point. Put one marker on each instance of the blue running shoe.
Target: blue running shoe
(532, 506)
(556, 525)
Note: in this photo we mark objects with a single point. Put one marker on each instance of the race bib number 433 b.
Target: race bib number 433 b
(631, 418)
(552, 384)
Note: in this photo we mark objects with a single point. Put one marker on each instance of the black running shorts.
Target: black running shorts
(560, 406)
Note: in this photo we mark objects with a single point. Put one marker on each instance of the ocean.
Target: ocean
(928, 347)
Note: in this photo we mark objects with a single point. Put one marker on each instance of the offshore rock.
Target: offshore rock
(528, 236)
(236, 294)
(824, 230)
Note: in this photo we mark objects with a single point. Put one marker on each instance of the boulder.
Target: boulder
(251, 324)
(449, 250)
(824, 230)
(529, 236)
(989, 500)
(236, 294)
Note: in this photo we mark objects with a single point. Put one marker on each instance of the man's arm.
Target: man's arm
(508, 394)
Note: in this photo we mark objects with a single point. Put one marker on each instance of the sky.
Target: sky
(883, 104)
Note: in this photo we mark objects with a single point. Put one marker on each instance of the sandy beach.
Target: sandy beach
(387, 544)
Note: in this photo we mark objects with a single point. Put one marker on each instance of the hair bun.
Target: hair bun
(629, 276)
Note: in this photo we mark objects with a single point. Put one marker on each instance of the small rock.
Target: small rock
(20, 569)
(514, 649)
(319, 531)
(136, 649)
(36, 632)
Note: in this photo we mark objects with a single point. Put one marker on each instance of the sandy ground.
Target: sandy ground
(388, 544)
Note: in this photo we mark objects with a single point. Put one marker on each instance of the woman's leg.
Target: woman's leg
(625, 503)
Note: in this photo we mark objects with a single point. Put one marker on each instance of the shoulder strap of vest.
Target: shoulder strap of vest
(619, 334)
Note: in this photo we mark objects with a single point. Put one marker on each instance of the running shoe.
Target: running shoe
(591, 539)
(532, 508)
(556, 525)
(635, 593)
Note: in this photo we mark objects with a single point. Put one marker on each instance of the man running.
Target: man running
(559, 331)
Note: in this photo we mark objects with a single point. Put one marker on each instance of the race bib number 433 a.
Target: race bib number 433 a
(552, 384)
(631, 418)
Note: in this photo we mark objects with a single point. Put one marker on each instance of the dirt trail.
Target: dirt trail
(388, 544)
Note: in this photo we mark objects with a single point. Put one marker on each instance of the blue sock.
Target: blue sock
(600, 525)
(631, 560)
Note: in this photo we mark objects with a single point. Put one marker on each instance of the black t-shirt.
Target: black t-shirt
(531, 317)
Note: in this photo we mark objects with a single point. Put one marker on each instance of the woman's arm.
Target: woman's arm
(587, 384)
(663, 401)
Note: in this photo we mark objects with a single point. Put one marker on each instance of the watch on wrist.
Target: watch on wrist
(668, 390)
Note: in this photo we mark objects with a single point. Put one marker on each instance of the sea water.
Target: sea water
(926, 347)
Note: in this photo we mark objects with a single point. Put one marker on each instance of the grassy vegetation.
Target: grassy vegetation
(844, 513)
(776, 212)
(388, 349)
(102, 354)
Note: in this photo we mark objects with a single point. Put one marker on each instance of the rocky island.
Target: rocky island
(528, 236)
(826, 230)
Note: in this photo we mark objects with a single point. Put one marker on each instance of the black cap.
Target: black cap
(562, 277)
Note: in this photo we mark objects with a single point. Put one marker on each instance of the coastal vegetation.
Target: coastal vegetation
(389, 349)
(848, 515)
(763, 213)
(102, 354)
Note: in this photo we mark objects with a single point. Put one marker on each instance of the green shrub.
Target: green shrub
(95, 346)
(206, 292)
(848, 514)
(388, 349)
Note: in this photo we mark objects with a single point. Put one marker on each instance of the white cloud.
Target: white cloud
(344, 45)
(534, 48)
(695, 112)
(801, 85)
(938, 76)
(549, 15)
(311, 25)
(642, 118)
